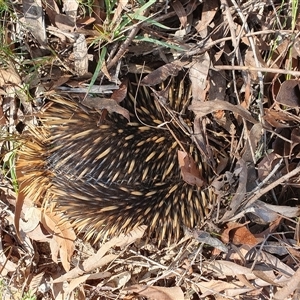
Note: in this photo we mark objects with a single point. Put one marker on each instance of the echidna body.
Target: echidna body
(111, 176)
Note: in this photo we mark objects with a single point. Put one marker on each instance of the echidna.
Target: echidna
(109, 176)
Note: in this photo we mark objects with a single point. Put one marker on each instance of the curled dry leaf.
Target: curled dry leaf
(239, 234)
(162, 73)
(32, 219)
(242, 236)
(105, 103)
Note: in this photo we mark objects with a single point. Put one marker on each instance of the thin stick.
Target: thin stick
(268, 70)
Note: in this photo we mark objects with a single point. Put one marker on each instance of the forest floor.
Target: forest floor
(241, 59)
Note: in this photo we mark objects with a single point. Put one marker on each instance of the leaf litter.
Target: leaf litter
(242, 60)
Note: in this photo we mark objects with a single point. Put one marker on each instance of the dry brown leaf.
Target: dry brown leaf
(120, 94)
(36, 281)
(189, 172)
(265, 273)
(239, 234)
(97, 261)
(228, 268)
(126, 239)
(180, 12)
(254, 136)
(198, 75)
(118, 12)
(162, 73)
(18, 207)
(271, 228)
(296, 48)
(85, 21)
(80, 52)
(208, 12)
(34, 20)
(283, 210)
(241, 171)
(60, 80)
(243, 236)
(251, 62)
(275, 264)
(105, 103)
(157, 292)
(291, 286)
(32, 219)
(205, 237)
(63, 239)
(119, 280)
(289, 93)
(267, 164)
(64, 23)
(2, 117)
(279, 118)
(9, 76)
(205, 108)
(100, 259)
(217, 85)
(51, 9)
(6, 265)
(75, 283)
(70, 8)
(38, 234)
(214, 287)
